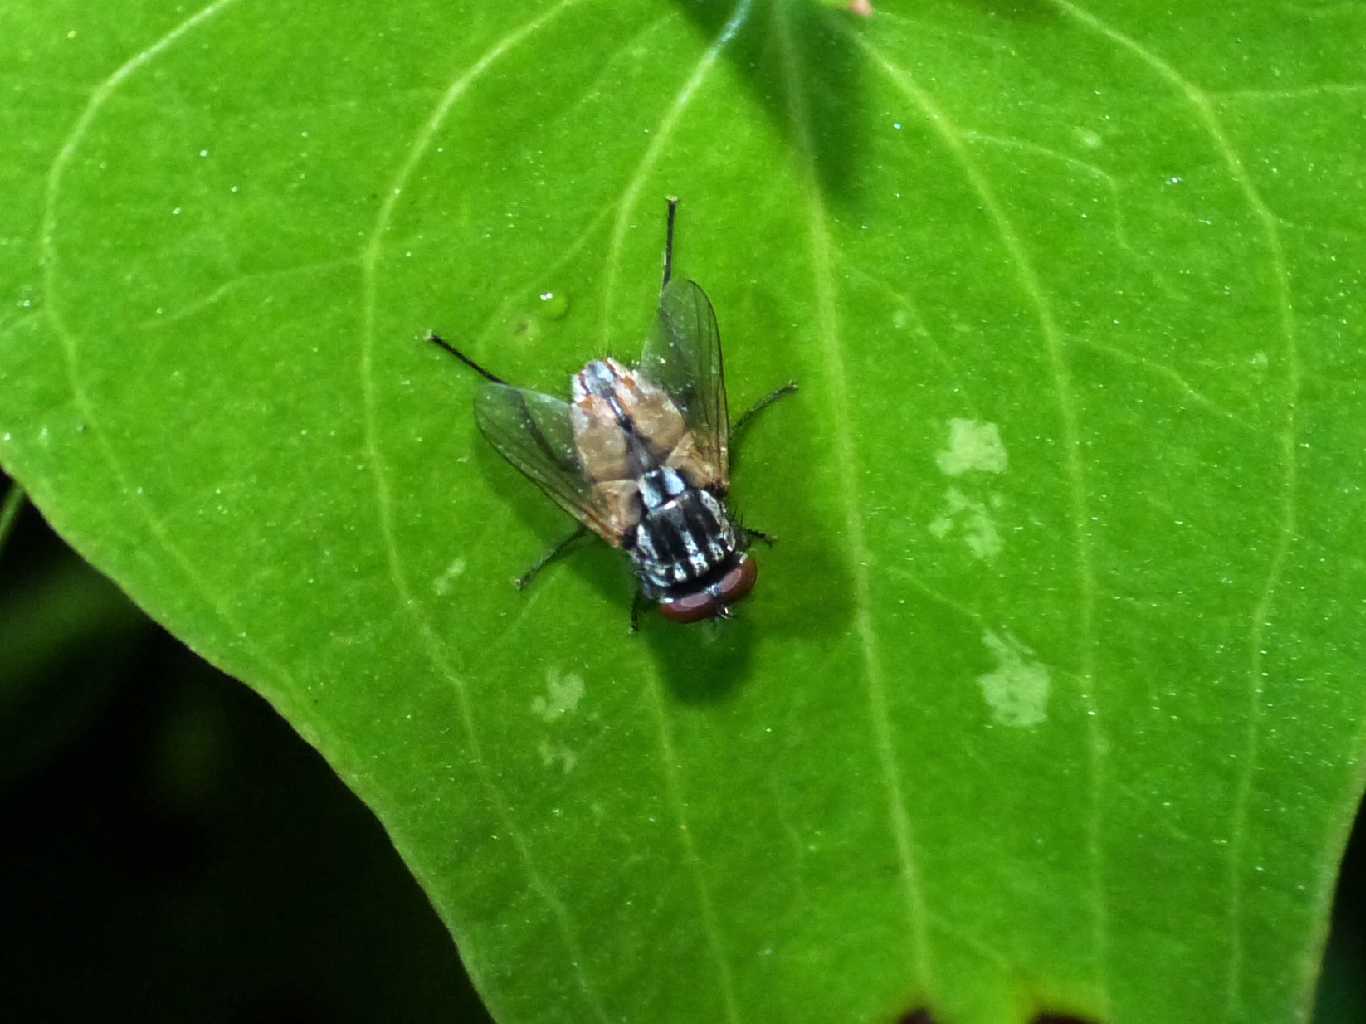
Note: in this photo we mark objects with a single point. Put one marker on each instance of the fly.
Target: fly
(641, 456)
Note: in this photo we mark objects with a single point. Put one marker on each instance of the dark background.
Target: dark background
(172, 851)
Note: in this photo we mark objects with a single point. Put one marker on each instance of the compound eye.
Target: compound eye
(691, 607)
(737, 583)
(714, 600)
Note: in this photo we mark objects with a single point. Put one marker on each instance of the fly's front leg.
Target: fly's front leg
(638, 602)
(787, 389)
(549, 557)
(752, 535)
(441, 342)
(669, 243)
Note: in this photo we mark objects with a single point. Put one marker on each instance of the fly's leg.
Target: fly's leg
(669, 243)
(549, 557)
(638, 603)
(787, 389)
(559, 549)
(440, 342)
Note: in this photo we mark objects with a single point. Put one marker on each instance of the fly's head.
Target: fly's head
(714, 599)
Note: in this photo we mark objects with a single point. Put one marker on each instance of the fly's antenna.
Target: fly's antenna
(669, 243)
(443, 343)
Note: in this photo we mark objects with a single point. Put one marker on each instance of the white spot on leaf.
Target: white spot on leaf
(972, 446)
(972, 521)
(1088, 138)
(553, 754)
(1017, 691)
(442, 584)
(563, 693)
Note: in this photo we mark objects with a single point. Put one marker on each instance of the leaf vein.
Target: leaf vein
(370, 256)
(920, 328)
(673, 789)
(954, 140)
(48, 261)
(1112, 189)
(1168, 373)
(1201, 104)
(847, 457)
(658, 141)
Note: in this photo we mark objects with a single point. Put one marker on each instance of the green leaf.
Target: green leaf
(1048, 700)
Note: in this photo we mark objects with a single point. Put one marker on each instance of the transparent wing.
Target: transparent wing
(683, 356)
(534, 432)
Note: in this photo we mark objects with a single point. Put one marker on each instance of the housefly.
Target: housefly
(641, 456)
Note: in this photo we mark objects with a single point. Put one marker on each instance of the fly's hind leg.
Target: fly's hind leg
(787, 389)
(550, 556)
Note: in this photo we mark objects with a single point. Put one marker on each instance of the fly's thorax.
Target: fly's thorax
(684, 535)
(686, 553)
(661, 487)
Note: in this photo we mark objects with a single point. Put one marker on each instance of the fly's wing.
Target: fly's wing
(683, 356)
(535, 433)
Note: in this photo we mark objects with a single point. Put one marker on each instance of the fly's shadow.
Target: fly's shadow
(802, 68)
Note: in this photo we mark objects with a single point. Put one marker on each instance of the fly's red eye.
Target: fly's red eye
(690, 607)
(715, 600)
(738, 582)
